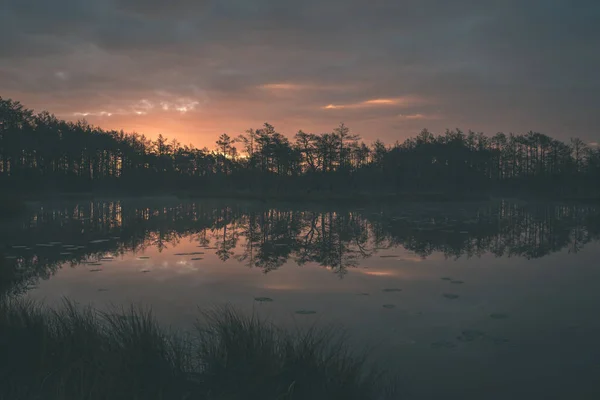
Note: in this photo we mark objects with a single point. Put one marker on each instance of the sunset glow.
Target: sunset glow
(192, 72)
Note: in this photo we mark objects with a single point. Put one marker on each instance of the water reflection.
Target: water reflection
(267, 238)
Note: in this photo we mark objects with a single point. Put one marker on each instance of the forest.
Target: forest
(39, 152)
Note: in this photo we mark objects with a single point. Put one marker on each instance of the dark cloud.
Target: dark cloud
(490, 65)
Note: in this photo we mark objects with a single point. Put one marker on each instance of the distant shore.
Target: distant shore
(16, 203)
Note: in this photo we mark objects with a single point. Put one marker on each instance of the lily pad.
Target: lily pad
(305, 312)
(498, 316)
(457, 282)
(388, 306)
(263, 299)
(470, 335)
(392, 290)
(451, 296)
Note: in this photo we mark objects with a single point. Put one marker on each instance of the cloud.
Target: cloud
(208, 67)
(398, 102)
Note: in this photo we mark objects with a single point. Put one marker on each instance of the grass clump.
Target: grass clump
(79, 353)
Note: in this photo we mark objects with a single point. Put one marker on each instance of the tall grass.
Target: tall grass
(79, 353)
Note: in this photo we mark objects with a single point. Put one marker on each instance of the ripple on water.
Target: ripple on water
(451, 296)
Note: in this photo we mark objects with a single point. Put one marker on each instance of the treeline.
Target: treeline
(43, 152)
(268, 238)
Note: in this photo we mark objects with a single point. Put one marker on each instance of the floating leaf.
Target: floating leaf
(392, 290)
(143, 257)
(305, 312)
(263, 299)
(451, 296)
(197, 259)
(95, 270)
(498, 316)
(470, 335)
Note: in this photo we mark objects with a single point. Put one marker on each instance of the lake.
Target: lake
(490, 300)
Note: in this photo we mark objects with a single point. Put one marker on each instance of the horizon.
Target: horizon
(193, 70)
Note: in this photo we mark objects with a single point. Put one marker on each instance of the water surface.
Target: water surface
(496, 300)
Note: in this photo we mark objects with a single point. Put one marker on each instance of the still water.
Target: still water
(470, 301)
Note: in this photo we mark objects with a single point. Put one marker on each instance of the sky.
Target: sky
(193, 69)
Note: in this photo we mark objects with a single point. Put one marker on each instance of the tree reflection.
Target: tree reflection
(268, 238)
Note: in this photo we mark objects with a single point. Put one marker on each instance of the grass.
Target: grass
(80, 353)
